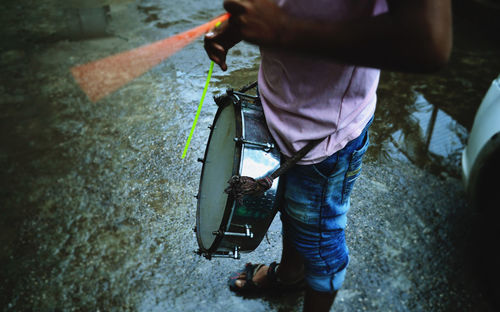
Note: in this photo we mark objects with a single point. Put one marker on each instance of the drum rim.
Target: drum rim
(236, 169)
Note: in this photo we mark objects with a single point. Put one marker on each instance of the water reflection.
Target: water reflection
(426, 136)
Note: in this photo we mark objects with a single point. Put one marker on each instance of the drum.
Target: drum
(239, 144)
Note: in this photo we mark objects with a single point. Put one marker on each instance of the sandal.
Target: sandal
(274, 282)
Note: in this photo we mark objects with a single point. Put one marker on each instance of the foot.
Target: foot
(259, 278)
(256, 277)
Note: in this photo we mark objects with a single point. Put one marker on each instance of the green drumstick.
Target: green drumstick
(200, 105)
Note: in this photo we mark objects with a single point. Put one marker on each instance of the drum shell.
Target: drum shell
(256, 155)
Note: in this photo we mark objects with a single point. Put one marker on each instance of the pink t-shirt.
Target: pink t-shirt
(306, 98)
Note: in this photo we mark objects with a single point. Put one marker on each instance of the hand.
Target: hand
(260, 22)
(218, 42)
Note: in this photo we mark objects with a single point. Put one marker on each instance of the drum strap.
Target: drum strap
(240, 186)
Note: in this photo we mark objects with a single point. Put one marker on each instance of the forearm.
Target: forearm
(384, 41)
(414, 35)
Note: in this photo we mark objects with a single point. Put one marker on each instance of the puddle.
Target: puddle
(430, 139)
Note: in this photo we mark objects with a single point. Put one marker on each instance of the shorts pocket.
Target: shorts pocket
(327, 167)
(354, 168)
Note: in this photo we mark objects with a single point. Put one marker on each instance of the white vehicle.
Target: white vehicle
(481, 173)
(481, 156)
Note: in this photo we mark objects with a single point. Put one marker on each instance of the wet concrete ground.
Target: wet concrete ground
(98, 208)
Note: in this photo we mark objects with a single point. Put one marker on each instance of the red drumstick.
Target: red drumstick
(104, 76)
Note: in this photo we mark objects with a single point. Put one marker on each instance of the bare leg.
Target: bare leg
(316, 301)
(291, 266)
(290, 269)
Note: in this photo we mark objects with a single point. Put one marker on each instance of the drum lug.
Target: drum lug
(201, 160)
(235, 254)
(195, 229)
(248, 233)
(265, 146)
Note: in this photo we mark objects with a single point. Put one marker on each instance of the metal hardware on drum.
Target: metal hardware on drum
(240, 93)
(265, 146)
(253, 105)
(248, 233)
(249, 86)
(235, 254)
(201, 160)
(248, 96)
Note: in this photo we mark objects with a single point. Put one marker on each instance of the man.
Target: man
(318, 78)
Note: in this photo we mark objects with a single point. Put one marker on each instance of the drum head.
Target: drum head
(217, 170)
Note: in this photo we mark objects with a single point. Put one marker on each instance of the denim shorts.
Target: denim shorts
(314, 200)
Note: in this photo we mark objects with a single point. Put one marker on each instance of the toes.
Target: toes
(240, 279)
(240, 283)
(238, 276)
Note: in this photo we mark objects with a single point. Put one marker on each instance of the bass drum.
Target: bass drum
(239, 144)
